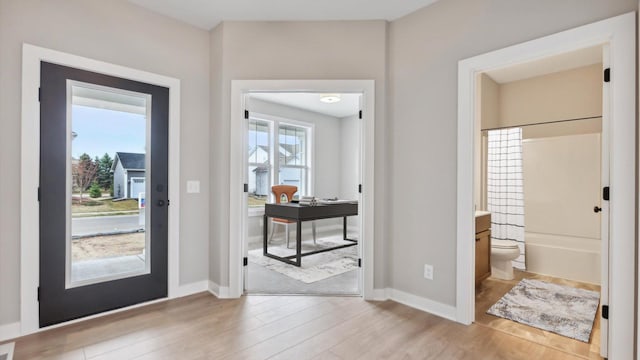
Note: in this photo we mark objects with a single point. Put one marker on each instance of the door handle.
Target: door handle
(597, 209)
(160, 202)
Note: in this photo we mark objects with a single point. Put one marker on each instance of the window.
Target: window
(278, 145)
(259, 161)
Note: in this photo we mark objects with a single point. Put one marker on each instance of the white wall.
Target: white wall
(424, 50)
(489, 102)
(124, 34)
(217, 151)
(350, 165)
(293, 50)
(561, 187)
(349, 158)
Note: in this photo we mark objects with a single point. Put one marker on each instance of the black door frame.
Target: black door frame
(57, 302)
(29, 172)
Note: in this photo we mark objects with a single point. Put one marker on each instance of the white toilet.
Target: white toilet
(502, 253)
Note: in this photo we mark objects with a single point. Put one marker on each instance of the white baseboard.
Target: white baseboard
(381, 294)
(7, 349)
(424, 304)
(10, 331)
(192, 288)
(417, 302)
(221, 292)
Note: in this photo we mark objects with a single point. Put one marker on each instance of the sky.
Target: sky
(101, 131)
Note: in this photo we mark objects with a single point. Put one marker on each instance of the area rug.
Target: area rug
(556, 308)
(314, 267)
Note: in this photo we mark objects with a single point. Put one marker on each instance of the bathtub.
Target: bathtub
(566, 257)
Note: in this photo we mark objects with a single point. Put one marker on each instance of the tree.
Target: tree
(95, 191)
(83, 172)
(104, 177)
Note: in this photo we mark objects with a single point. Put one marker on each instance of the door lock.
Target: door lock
(597, 209)
(160, 202)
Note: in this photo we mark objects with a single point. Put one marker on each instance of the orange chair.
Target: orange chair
(284, 194)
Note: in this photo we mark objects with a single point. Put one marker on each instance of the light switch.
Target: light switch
(193, 187)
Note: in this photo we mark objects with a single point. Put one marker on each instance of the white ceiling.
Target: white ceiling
(548, 65)
(347, 106)
(206, 14)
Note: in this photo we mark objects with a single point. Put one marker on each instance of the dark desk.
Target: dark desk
(300, 213)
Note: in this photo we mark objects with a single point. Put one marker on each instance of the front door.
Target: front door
(103, 193)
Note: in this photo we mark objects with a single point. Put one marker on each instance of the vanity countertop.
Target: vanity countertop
(483, 221)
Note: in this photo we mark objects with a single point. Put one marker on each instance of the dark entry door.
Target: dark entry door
(103, 193)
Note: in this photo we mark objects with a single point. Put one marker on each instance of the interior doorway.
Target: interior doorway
(309, 144)
(240, 89)
(540, 183)
(616, 35)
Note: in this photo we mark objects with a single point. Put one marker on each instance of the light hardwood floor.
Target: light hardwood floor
(277, 327)
(491, 290)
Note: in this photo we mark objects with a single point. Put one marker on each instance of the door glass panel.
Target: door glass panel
(107, 179)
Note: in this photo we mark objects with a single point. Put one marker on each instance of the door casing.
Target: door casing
(237, 214)
(618, 35)
(30, 163)
(60, 300)
(312, 180)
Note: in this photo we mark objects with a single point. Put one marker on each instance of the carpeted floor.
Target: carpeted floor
(314, 267)
(330, 273)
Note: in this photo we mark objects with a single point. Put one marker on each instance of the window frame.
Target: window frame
(274, 126)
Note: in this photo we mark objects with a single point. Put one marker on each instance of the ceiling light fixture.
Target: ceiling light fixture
(330, 98)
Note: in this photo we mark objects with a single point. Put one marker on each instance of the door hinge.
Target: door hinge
(38, 194)
(246, 188)
(360, 188)
(359, 262)
(38, 293)
(245, 261)
(605, 311)
(605, 193)
(168, 202)
(360, 114)
(246, 114)
(39, 94)
(607, 74)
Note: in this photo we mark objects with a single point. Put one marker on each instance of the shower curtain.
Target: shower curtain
(505, 195)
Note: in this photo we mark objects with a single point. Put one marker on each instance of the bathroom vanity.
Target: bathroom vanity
(483, 246)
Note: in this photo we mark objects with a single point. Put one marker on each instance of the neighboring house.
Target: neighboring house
(289, 155)
(128, 171)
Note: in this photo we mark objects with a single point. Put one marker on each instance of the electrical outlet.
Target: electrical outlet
(428, 272)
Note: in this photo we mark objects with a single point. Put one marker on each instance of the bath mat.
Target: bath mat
(556, 308)
(314, 267)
